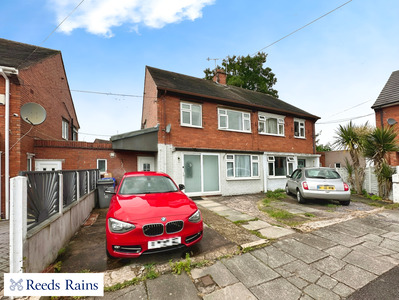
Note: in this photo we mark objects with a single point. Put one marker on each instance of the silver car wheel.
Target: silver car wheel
(299, 197)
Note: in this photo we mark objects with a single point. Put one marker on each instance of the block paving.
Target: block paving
(328, 263)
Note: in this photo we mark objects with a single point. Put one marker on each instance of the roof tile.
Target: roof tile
(194, 86)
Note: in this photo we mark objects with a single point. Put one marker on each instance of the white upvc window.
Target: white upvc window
(65, 129)
(299, 128)
(271, 124)
(75, 134)
(190, 114)
(280, 165)
(242, 166)
(102, 165)
(234, 120)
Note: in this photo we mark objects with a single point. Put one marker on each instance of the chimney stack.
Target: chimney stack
(220, 76)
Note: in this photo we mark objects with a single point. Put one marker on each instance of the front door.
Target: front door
(201, 173)
(145, 163)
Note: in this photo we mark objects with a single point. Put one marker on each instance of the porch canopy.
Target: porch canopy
(145, 140)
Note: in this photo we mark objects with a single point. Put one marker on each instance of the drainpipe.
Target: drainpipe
(4, 71)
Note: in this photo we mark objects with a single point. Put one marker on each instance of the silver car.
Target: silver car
(318, 183)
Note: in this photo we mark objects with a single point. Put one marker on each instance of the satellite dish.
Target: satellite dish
(168, 127)
(391, 121)
(33, 113)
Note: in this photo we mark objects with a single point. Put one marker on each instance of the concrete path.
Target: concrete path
(264, 228)
(329, 263)
(4, 250)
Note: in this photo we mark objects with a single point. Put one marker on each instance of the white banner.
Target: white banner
(53, 284)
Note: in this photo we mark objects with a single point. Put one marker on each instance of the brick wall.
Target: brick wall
(384, 114)
(210, 137)
(83, 155)
(149, 116)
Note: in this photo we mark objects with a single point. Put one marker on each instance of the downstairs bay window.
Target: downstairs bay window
(280, 165)
(242, 166)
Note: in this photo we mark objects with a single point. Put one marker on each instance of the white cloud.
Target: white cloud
(100, 16)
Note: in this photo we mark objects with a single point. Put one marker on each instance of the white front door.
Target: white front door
(145, 163)
(48, 165)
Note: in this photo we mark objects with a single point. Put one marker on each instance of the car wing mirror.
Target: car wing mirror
(181, 186)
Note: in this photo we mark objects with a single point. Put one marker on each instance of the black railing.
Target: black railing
(44, 195)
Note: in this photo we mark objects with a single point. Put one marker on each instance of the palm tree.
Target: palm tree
(376, 146)
(350, 138)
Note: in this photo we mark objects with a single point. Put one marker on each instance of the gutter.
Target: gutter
(3, 72)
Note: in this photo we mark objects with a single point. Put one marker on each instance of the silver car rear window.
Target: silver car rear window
(322, 174)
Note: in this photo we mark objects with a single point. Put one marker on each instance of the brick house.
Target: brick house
(386, 109)
(31, 74)
(221, 139)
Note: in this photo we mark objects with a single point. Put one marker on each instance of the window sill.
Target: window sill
(300, 137)
(242, 178)
(223, 129)
(271, 134)
(191, 126)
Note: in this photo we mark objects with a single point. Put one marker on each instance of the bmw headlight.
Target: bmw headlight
(195, 217)
(117, 226)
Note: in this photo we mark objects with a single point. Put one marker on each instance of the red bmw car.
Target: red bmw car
(149, 213)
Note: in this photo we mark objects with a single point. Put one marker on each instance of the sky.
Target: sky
(334, 68)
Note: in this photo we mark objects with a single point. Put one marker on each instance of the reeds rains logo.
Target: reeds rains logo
(54, 284)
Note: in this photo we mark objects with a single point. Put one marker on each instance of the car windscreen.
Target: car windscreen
(147, 185)
(322, 174)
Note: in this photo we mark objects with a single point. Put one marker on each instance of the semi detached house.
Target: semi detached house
(219, 139)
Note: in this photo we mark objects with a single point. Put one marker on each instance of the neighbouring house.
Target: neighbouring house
(32, 74)
(337, 159)
(386, 109)
(220, 139)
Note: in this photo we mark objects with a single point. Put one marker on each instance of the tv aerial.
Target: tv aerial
(33, 113)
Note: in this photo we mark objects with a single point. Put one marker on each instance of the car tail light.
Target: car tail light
(305, 185)
(346, 187)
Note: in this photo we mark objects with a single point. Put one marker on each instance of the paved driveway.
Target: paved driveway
(332, 262)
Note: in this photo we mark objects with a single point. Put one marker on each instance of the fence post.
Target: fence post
(88, 181)
(77, 187)
(395, 188)
(61, 193)
(18, 219)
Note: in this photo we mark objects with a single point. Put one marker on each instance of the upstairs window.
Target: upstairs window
(271, 124)
(75, 134)
(65, 129)
(234, 120)
(190, 114)
(299, 128)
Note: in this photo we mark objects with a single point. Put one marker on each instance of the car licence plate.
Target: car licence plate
(326, 187)
(164, 243)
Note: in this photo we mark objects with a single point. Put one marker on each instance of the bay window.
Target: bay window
(242, 166)
(270, 124)
(280, 165)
